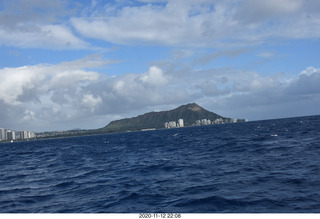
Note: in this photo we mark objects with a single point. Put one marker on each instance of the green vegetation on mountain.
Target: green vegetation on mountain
(190, 113)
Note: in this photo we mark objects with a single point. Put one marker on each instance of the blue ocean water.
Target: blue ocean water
(263, 166)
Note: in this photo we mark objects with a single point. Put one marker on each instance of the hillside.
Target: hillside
(190, 113)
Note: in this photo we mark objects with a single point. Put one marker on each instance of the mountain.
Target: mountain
(190, 113)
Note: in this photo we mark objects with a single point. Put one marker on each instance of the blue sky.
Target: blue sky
(82, 64)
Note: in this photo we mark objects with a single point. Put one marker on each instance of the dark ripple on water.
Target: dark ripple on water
(265, 166)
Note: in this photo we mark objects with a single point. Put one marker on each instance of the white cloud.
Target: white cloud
(176, 23)
(136, 91)
(204, 23)
(154, 76)
(35, 24)
(67, 96)
(256, 11)
(56, 95)
(144, 24)
(277, 96)
(60, 36)
(46, 36)
(70, 78)
(15, 81)
(209, 88)
(29, 115)
(90, 101)
(44, 93)
(234, 93)
(310, 71)
(306, 84)
(29, 82)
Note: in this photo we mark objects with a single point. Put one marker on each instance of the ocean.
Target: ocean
(270, 166)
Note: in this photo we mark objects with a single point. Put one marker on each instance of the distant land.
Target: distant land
(184, 116)
(190, 115)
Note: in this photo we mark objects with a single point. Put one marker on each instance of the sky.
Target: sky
(82, 64)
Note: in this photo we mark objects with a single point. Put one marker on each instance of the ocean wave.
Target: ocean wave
(264, 166)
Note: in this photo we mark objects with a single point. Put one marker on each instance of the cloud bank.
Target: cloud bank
(204, 23)
(67, 94)
(74, 95)
(37, 24)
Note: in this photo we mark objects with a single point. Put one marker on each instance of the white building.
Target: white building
(174, 124)
(3, 134)
(171, 124)
(218, 121)
(180, 123)
(204, 122)
(24, 135)
(11, 135)
(31, 135)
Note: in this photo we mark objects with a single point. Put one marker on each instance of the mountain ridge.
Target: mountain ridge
(190, 113)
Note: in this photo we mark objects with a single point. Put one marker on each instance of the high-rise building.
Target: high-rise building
(171, 124)
(3, 134)
(24, 135)
(180, 123)
(11, 135)
(31, 135)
